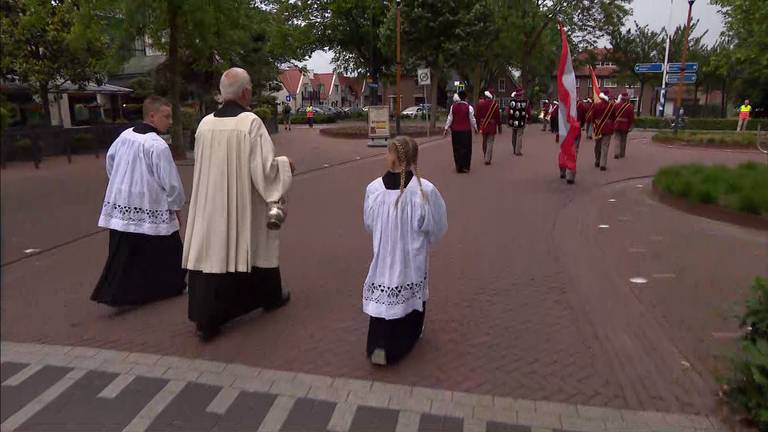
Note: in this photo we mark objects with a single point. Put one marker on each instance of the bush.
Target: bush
(747, 387)
(720, 138)
(319, 119)
(264, 112)
(651, 123)
(744, 188)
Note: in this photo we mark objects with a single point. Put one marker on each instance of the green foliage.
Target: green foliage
(319, 119)
(745, 43)
(651, 123)
(264, 112)
(142, 87)
(700, 124)
(722, 138)
(83, 143)
(47, 42)
(744, 188)
(747, 387)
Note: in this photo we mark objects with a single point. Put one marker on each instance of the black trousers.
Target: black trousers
(217, 298)
(462, 149)
(140, 269)
(396, 337)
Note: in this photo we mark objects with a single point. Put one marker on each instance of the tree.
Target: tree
(46, 43)
(747, 42)
(638, 44)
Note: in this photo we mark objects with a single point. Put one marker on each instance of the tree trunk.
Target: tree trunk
(722, 100)
(706, 95)
(475, 78)
(640, 99)
(45, 101)
(177, 147)
(696, 94)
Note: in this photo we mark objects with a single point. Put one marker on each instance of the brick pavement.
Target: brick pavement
(56, 388)
(519, 305)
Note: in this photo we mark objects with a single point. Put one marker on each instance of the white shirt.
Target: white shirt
(472, 120)
(144, 186)
(397, 278)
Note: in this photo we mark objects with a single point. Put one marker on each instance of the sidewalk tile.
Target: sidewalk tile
(290, 388)
(276, 375)
(433, 394)
(582, 424)
(496, 414)
(380, 400)
(174, 362)
(148, 370)
(208, 366)
(547, 420)
(410, 403)
(391, 389)
(216, 379)
(314, 380)
(556, 408)
(181, 374)
(599, 413)
(84, 352)
(352, 384)
(516, 404)
(473, 399)
(241, 370)
(115, 366)
(328, 393)
(252, 384)
(453, 409)
(86, 362)
(142, 358)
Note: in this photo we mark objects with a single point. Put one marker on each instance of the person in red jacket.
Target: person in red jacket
(488, 118)
(623, 123)
(603, 115)
(461, 122)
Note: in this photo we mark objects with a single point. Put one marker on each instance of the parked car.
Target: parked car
(412, 112)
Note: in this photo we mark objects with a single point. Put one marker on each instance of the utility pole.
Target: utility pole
(679, 102)
(397, 73)
(663, 94)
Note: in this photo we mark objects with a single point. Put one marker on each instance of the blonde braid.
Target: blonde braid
(418, 179)
(401, 158)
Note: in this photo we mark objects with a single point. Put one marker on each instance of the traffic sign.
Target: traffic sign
(648, 68)
(287, 98)
(424, 76)
(689, 67)
(688, 78)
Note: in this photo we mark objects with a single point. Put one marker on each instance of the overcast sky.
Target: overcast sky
(656, 13)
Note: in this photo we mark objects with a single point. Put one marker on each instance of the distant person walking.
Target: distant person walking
(311, 116)
(461, 122)
(287, 116)
(744, 112)
(488, 117)
(141, 210)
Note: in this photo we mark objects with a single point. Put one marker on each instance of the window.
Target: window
(608, 82)
(321, 88)
(606, 64)
(336, 88)
(502, 85)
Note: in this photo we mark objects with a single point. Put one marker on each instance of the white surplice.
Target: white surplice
(397, 281)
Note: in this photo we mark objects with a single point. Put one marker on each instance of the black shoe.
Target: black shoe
(616, 157)
(597, 164)
(570, 181)
(562, 174)
(518, 154)
(603, 168)
(487, 163)
(283, 301)
(206, 334)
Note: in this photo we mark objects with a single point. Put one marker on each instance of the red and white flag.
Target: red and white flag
(567, 120)
(595, 87)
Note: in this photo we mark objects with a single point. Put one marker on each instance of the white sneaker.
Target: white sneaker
(379, 357)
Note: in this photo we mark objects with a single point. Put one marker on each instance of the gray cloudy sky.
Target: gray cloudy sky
(656, 13)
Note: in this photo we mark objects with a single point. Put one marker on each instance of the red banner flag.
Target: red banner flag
(568, 122)
(595, 87)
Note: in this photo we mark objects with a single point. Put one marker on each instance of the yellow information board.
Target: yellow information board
(378, 121)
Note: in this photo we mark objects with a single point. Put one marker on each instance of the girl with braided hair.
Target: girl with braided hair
(406, 215)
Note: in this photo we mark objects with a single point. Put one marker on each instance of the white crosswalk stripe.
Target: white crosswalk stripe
(115, 387)
(147, 415)
(22, 375)
(223, 400)
(41, 401)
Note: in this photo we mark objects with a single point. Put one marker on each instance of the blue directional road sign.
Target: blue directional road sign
(689, 67)
(287, 98)
(649, 68)
(688, 78)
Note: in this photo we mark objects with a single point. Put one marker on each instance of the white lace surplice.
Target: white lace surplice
(398, 275)
(144, 186)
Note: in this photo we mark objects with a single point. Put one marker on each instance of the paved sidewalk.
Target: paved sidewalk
(57, 388)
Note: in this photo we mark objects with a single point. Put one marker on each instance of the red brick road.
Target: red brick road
(529, 298)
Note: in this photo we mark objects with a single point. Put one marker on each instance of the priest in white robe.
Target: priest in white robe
(231, 255)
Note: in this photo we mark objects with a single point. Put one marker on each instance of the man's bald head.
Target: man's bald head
(235, 85)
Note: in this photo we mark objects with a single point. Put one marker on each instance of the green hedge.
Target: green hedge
(83, 143)
(747, 387)
(319, 119)
(699, 123)
(744, 188)
(712, 138)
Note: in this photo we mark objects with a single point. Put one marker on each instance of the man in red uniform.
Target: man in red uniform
(603, 114)
(488, 119)
(623, 123)
(461, 122)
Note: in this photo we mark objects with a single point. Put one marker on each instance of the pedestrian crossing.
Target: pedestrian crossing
(44, 390)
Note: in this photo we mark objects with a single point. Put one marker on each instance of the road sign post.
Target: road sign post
(425, 79)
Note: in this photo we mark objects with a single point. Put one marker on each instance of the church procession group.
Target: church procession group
(228, 262)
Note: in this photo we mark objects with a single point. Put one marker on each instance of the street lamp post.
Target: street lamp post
(397, 71)
(680, 87)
